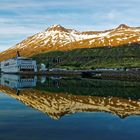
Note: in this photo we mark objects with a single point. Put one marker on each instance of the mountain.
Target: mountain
(58, 105)
(60, 38)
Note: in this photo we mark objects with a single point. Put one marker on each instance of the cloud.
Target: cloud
(17, 30)
(20, 19)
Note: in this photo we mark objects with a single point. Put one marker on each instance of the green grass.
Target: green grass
(105, 57)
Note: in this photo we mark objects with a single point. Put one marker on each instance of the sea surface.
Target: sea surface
(60, 108)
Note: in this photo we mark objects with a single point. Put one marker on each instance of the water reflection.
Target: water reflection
(57, 96)
(18, 81)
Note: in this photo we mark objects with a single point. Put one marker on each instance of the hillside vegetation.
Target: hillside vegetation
(90, 58)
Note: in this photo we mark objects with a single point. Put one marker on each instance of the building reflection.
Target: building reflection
(18, 81)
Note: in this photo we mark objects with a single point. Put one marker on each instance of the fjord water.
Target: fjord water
(57, 108)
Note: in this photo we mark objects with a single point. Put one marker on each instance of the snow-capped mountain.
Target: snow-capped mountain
(57, 37)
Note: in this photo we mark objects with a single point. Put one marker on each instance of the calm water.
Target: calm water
(40, 108)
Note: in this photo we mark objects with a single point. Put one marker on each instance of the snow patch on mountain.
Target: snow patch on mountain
(57, 37)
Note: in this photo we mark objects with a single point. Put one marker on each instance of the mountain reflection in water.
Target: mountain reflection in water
(57, 96)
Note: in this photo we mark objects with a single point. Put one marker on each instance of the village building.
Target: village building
(18, 65)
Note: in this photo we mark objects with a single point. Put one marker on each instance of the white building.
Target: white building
(18, 64)
(43, 67)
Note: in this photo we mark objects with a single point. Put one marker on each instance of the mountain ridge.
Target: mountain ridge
(58, 37)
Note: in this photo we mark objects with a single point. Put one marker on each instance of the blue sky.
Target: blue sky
(22, 18)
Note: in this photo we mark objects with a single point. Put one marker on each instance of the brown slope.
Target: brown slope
(59, 38)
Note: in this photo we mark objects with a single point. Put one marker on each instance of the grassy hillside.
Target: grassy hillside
(105, 57)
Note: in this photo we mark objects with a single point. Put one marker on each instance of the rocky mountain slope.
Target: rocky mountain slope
(57, 37)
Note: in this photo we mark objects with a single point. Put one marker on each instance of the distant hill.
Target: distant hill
(58, 38)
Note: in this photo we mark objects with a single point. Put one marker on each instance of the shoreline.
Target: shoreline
(120, 75)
